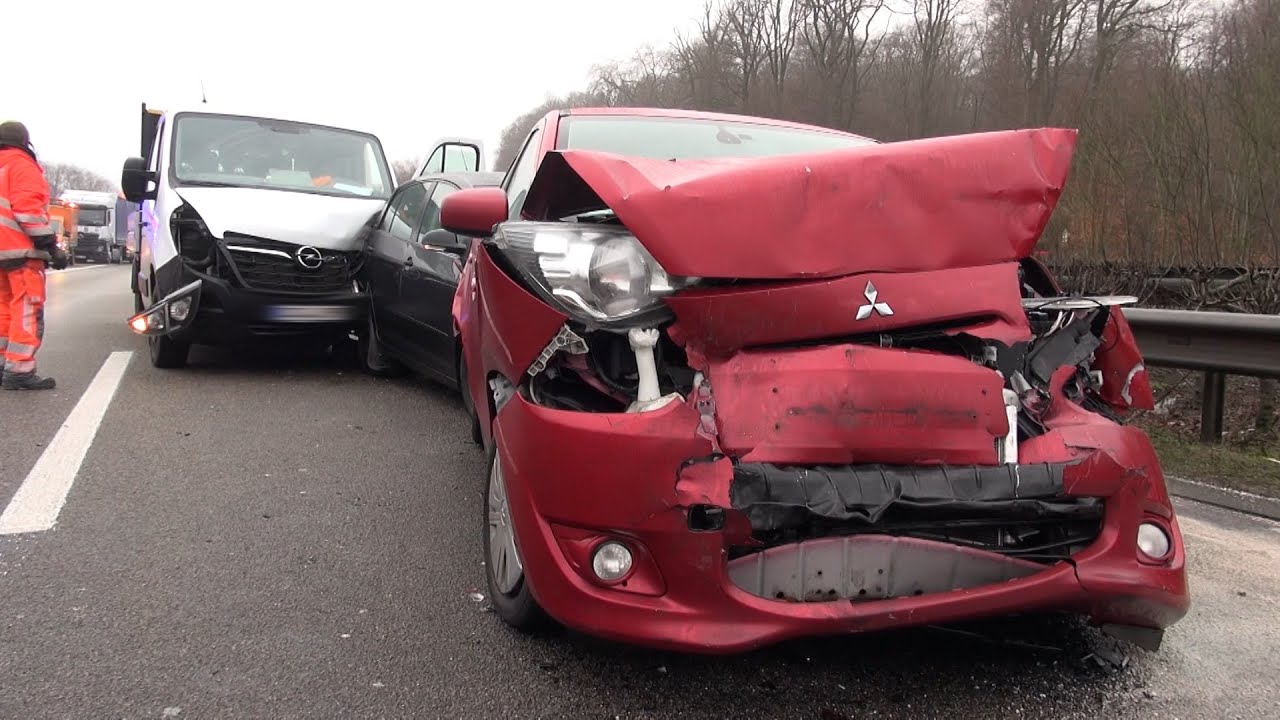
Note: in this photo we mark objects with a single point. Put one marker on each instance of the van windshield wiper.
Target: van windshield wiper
(206, 183)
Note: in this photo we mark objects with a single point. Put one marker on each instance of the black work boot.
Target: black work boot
(26, 381)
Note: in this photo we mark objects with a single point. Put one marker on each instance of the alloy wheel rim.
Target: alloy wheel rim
(504, 558)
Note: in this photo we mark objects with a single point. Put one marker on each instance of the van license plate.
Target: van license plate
(309, 313)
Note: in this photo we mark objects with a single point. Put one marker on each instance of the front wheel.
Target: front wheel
(167, 353)
(503, 568)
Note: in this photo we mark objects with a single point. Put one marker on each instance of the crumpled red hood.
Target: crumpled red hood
(916, 205)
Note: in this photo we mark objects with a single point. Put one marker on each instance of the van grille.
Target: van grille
(273, 266)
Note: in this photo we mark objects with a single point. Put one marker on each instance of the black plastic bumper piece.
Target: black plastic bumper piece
(776, 498)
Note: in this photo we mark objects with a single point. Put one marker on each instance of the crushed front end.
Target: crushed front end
(930, 437)
(253, 288)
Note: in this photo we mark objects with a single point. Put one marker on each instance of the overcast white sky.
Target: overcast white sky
(408, 71)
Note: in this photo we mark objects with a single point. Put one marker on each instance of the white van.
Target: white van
(251, 228)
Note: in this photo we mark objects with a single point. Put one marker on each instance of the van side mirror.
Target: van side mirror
(135, 180)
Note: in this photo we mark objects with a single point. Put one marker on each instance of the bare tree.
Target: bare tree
(934, 43)
(744, 22)
(1033, 42)
(405, 168)
(781, 20)
(63, 177)
(840, 49)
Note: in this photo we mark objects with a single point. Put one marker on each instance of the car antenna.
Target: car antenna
(203, 99)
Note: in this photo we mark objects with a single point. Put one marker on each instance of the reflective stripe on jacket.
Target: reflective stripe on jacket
(24, 203)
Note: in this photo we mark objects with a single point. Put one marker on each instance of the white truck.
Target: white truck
(96, 225)
(251, 228)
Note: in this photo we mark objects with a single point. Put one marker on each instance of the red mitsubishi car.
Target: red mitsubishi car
(742, 380)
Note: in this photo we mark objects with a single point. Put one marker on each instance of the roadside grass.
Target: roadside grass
(1251, 468)
(1244, 460)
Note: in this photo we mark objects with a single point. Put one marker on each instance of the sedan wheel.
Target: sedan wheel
(504, 558)
(504, 569)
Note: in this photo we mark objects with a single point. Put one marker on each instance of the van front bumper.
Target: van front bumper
(227, 314)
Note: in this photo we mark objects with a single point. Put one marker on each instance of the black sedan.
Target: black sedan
(411, 271)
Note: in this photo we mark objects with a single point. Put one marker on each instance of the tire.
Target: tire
(168, 354)
(464, 388)
(370, 356)
(512, 600)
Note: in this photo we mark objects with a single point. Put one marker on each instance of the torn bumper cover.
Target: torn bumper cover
(774, 498)
(727, 560)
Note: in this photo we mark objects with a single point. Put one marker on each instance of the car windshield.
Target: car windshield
(669, 138)
(89, 215)
(278, 155)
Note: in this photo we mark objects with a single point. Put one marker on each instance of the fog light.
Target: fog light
(1152, 541)
(611, 561)
(179, 309)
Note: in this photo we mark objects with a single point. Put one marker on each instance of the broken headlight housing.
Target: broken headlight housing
(599, 274)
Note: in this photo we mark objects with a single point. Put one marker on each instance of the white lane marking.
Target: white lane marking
(76, 269)
(39, 499)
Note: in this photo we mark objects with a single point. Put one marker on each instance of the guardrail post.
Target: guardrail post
(1212, 401)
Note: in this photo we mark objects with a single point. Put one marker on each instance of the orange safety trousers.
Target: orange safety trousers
(22, 295)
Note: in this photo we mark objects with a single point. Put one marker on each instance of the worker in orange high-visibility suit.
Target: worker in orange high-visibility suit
(27, 246)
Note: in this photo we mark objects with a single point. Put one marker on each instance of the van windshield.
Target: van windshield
(278, 155)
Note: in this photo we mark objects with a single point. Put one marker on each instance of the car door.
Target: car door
(387, 258)
(454, 155)
(429, 284)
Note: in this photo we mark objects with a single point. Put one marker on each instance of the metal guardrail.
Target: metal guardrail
(1217, 343)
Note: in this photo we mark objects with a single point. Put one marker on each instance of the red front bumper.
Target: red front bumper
(575, 478)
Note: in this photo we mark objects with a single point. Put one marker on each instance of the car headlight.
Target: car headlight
(600, 274)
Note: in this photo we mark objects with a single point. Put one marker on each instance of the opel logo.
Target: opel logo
(309, 258)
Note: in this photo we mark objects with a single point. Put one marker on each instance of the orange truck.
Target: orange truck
(63, 216)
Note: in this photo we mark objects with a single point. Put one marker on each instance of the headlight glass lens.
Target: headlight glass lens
(600, 274)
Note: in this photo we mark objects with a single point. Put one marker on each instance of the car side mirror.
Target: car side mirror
(474, 211)
(135, 180)
(441, 239)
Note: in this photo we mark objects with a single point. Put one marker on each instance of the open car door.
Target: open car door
(454, 154)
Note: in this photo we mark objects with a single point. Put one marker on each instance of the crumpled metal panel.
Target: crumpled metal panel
(516, 325)
(870, 567)
(718, 321)
(776, 497)
(1126, 384)
(854, 404)
(911, 206)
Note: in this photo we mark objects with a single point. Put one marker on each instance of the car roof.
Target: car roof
(702, 115)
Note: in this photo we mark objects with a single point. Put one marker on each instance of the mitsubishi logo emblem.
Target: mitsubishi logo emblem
(309, 258)
(866, 311)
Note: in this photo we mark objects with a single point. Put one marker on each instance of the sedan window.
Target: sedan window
(405, 211)
(431, 217)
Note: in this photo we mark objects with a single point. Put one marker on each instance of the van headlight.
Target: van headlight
(174, 312)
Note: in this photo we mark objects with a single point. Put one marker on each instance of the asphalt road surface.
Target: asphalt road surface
(279, 536)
